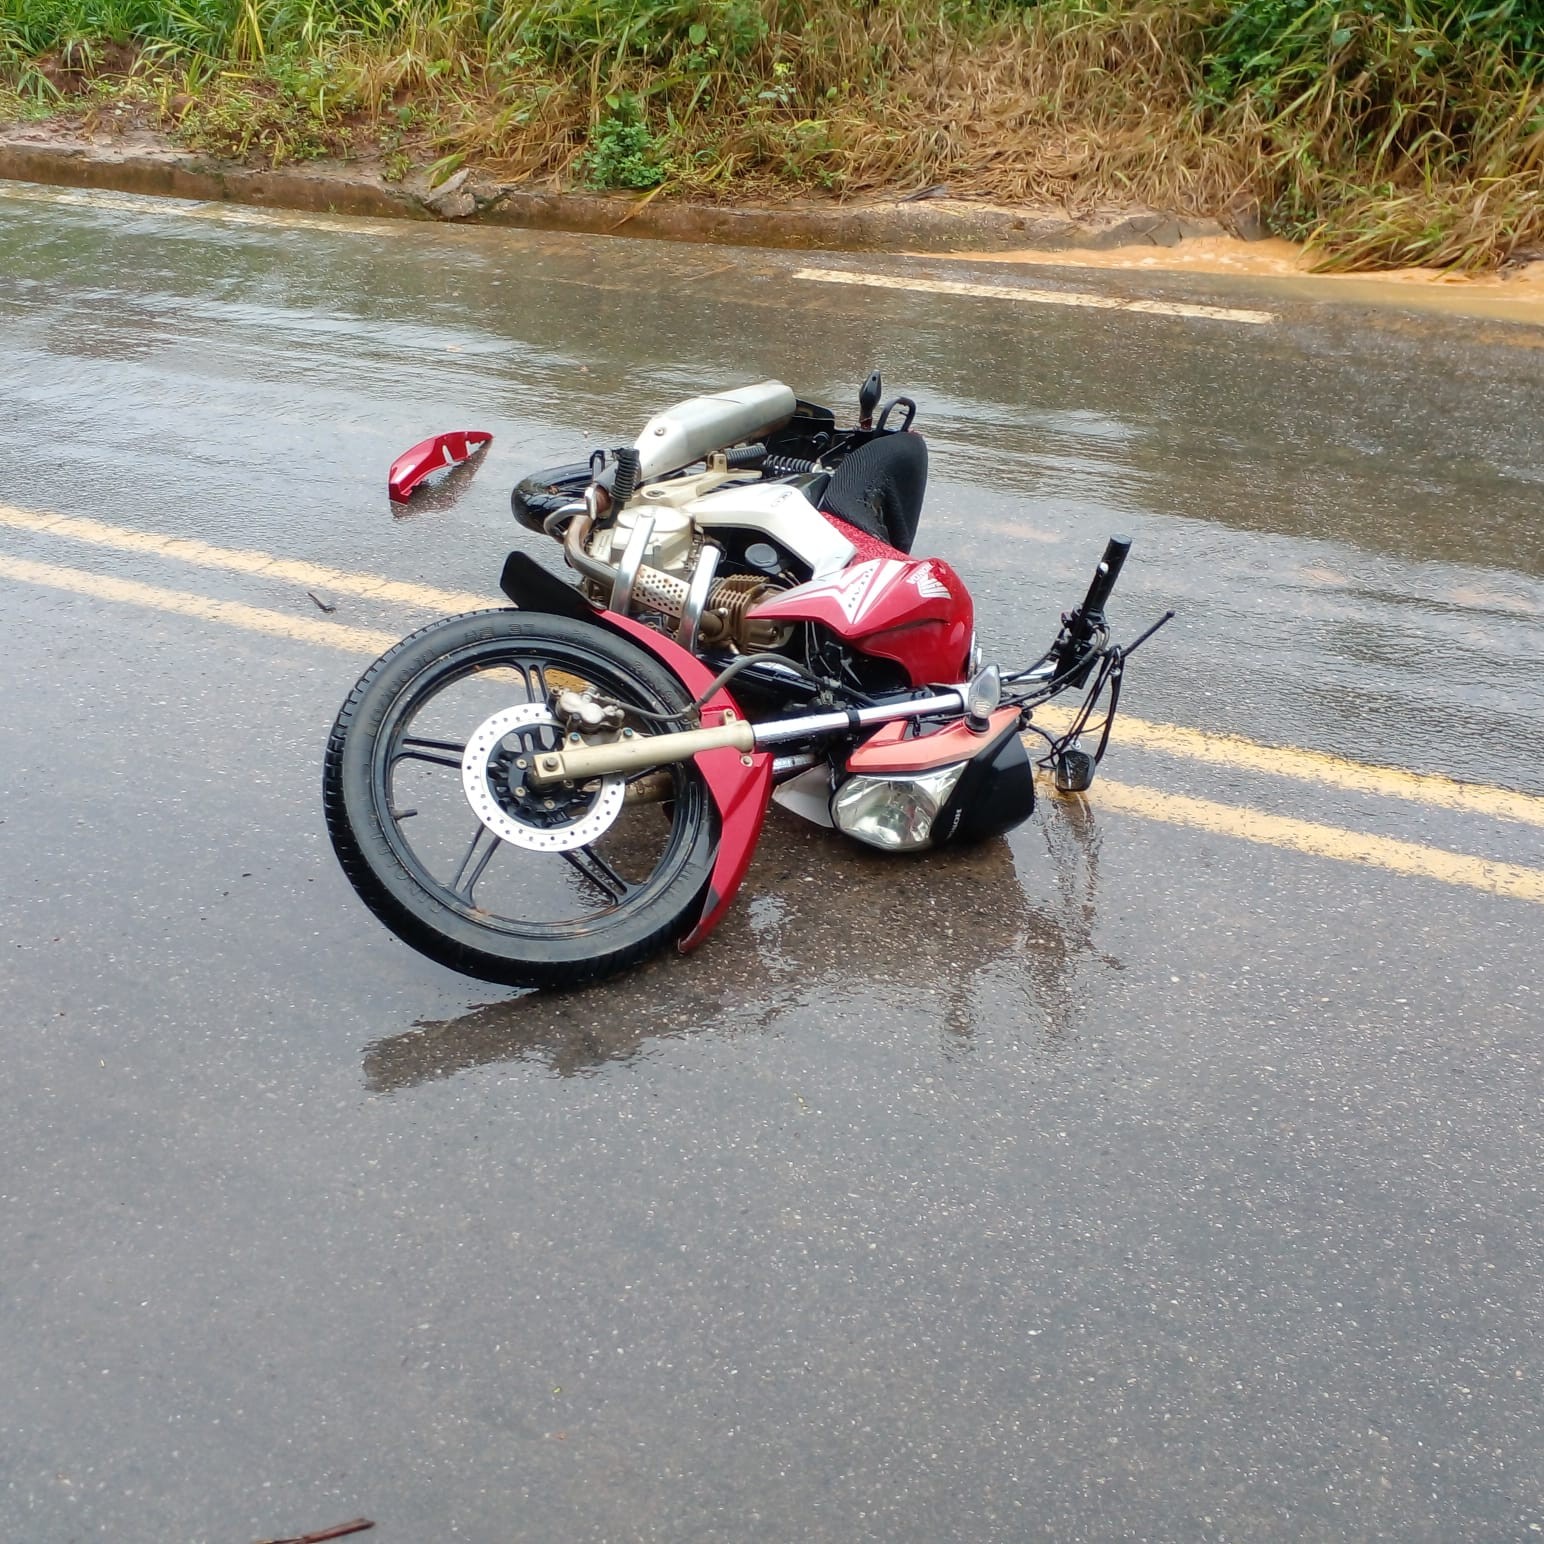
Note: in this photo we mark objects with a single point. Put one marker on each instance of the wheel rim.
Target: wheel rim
(417, 762)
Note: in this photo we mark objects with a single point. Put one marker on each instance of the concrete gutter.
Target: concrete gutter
(141, 162)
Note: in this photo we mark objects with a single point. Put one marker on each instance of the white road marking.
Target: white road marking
(364, 225)
(1037, 296)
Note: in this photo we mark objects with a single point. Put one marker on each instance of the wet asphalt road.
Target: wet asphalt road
(1118, 1181)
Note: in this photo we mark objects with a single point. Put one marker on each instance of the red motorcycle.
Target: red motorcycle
(546, 795)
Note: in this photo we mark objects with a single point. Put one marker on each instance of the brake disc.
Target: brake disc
(553, 820)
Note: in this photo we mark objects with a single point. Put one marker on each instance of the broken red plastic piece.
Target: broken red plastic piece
(431, 456)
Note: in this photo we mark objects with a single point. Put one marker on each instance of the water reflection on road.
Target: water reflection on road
(1120, 1180)
(970, 932)
(1346, 518)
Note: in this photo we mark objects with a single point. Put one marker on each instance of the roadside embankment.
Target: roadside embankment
(1382, 135)
(146, 162)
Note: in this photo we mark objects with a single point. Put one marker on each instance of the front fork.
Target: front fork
(636, 753)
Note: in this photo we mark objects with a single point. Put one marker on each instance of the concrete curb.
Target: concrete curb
(139, 167)
(144, 163)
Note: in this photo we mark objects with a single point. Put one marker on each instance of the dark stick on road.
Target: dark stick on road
(359, 1525)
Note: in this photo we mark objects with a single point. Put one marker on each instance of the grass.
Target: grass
(1382, 132)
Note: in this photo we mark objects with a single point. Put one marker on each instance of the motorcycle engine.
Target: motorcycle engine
(671, 544)
(671, 558)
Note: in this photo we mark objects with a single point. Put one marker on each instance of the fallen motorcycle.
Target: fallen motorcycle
(546, 795)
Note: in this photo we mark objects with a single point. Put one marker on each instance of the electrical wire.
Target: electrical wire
(1058, 683)
(734, 667)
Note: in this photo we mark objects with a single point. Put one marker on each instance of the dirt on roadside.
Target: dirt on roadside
(1514, 293)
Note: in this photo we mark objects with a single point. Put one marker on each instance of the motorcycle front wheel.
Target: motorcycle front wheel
(505, 889)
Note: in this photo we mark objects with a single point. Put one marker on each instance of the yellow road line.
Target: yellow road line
(1036, 296)
(255, 619)
(1226, 750)
(1304, 836)
(236, 560)
(1503, 879)
(1170, 739)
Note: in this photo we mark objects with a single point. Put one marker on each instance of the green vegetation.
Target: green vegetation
(1384, 132)
(623, 153)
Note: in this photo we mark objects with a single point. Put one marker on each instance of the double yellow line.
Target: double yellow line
(1512, 880)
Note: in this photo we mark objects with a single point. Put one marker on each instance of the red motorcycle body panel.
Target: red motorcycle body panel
(431, 456)
(740, 786)
(894, 749)
(742, 794)
(914, 611)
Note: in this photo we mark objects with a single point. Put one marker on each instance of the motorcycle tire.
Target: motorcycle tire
(645, 888)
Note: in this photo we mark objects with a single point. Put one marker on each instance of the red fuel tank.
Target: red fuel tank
(916, 612)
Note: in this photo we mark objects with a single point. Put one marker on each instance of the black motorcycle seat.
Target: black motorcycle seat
(879, 488)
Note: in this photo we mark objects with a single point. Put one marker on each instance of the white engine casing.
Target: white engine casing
(783, 515)
(774, 510)
(670, 541)
(694, 429)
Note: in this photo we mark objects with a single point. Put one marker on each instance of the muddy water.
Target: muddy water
(1513, 294)
(1343, 505)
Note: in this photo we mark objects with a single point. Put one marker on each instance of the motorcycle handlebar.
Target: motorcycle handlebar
(1073, 659)
(1105, 576)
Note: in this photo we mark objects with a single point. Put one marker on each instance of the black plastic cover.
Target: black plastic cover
(543, 493)
(529, 586)
(995, 793)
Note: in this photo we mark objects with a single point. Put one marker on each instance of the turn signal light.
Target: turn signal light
(982, 697)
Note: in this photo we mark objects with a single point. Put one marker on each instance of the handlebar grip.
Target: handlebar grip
(1105, 576)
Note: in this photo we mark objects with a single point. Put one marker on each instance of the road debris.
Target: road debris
(359, 1525)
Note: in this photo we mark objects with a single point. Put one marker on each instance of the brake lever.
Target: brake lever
(1131, 648)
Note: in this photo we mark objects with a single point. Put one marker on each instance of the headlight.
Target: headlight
(896, 813)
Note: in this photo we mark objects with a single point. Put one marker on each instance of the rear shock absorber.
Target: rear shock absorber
(790, 466)
(744, 458)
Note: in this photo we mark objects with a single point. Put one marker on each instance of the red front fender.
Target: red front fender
(433, 455)
(740, 785)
